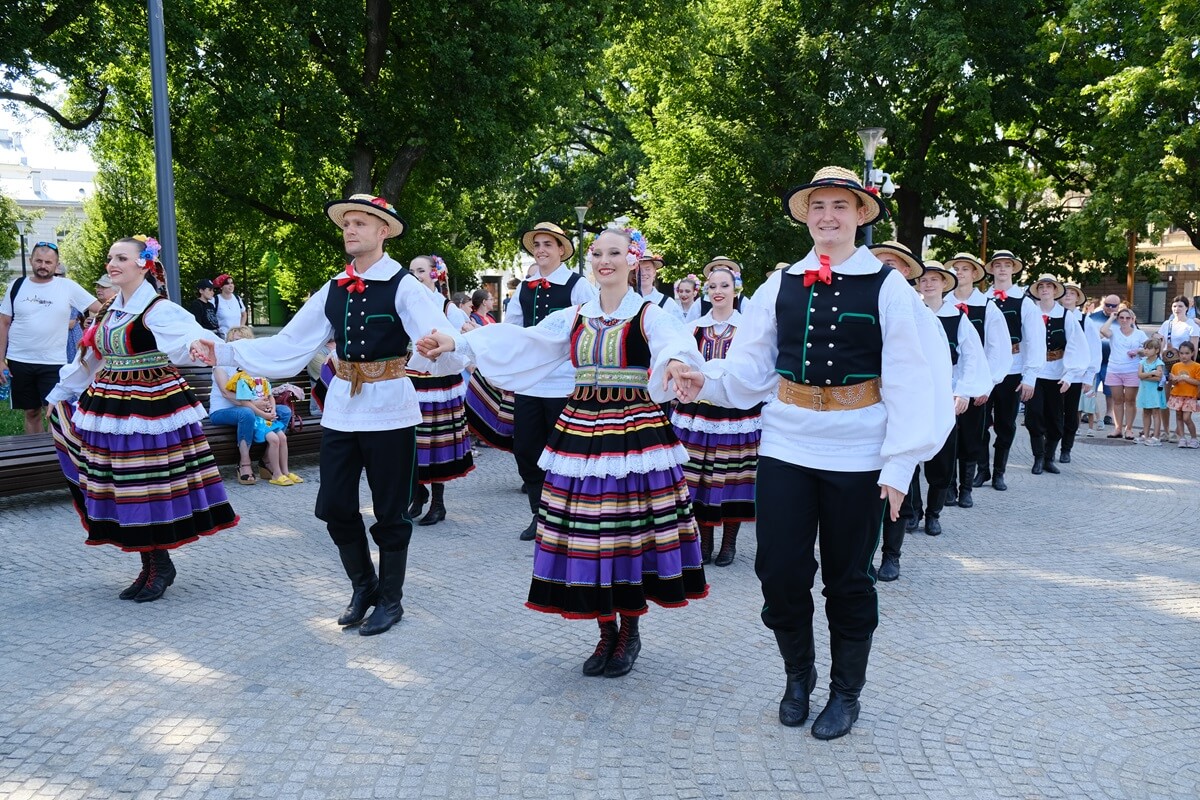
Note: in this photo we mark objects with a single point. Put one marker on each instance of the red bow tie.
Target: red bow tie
(824, 274)
(1000, 294)
(962, 307)
(356, 283)
(539, 283)
(1045, 319)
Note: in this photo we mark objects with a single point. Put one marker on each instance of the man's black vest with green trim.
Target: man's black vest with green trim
(365, 324)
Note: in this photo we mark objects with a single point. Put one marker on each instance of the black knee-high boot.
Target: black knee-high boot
(598, 660)
(534, 496)
(437, 508)
(706, 544)
(420, 496)
(728, 551)
(847, 676)
(966, 481)
(799, 655)
(626, 650)
(159, 576)
(388, 609)
(138, 582)
(356, 560)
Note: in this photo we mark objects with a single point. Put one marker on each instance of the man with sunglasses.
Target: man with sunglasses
(34, 313)
(1110, 305)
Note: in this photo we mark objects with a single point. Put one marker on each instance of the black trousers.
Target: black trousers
(533, 420)
(939, 472)
(970, 429)
(1044, 417)
(390, 459)
(796, 508)
(1003, 405)
(1071, 415)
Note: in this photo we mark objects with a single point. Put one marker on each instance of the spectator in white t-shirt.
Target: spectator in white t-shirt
(231, 311)
(34, 313)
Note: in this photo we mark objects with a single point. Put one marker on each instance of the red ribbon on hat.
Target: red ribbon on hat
(962, 307)
(824, 274)
(1000, 294)
(379, 201)
(356, 283)
(539, 283)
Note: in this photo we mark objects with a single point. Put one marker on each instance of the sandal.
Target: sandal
(1116, 435)
(246, 476)
(282, 480)
(294, 478)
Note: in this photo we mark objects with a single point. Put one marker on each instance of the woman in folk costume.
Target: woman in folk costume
(142, 475)
(722, 443)
(489, 410)
(614, 521)
(443, 446)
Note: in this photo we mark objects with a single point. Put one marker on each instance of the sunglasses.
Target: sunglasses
(1111, 305)
(51, 245)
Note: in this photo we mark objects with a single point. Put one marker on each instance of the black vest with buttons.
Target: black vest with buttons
(1056, 333)
(976, 315)
(537, 304)
(1011, 309)
(365, 324)
(829, 334)
(951, 325)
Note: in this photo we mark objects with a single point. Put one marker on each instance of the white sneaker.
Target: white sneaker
(1091, 433)
(1141, 439)
(1194, 444)
(1183, 443)
(1153, 442)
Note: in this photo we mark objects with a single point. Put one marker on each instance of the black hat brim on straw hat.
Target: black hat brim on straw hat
(1000, 255)
(977, 270)
(916, 268)
(550, 229)
(377, 207)
(949, 279)
(796, 201)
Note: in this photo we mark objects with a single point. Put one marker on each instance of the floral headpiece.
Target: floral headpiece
(692, 279)
(150, 250)
(438, 269)
(637, 247)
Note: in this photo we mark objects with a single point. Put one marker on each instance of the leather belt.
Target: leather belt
(1054, 355)
(830, 398)
(359, 372)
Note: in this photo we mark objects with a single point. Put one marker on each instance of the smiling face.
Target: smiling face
(834, 216)
(1125, 320)
(720, 289)
(422, 269)
(964, 271)
(122, 266)
(931, 284)
(609, 264)
(548, 252)
(363, 234)
(647, 275)
(685, 293)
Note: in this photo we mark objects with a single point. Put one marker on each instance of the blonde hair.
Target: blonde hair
(241, 331)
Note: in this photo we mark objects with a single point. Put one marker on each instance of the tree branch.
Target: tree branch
(53, 112)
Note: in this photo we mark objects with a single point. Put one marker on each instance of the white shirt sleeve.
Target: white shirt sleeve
(1033, 341)
(174, 330)
(1077, 355)
(287, 352)
(515, 315)
(999, 346)
(669, 340)
(80, 298)
(515, 358)
(746, 376)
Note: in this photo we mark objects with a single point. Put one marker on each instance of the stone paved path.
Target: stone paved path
(1048, 645)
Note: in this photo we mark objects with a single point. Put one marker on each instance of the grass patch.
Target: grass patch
(11, 422)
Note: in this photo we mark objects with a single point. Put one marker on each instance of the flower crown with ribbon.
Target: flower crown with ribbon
(637, 246)
(149, 257)
(437, 269)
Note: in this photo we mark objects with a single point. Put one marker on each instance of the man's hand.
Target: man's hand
(960, 405)
(3, 370)
(688, 382)
(1025, 391)
(434, 344)
(1063, 387)
(204, 351)
(894, 498)
(981, 400)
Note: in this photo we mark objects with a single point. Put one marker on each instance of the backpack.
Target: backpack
(12, 294)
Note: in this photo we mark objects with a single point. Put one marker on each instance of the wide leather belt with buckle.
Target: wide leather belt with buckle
(1054, 355)
(360, 372)
(830, 398)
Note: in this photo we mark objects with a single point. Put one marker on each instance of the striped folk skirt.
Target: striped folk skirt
(443, 447)
(490, 412)
(614, 526)
(722, 446)
(141, 473)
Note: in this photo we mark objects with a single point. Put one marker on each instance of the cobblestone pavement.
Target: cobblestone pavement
(1045, 646)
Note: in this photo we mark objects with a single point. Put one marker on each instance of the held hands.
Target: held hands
(894, 498)
(204, 351)
(434, 344)
(688, 382)
(468, 326)
(1025, 391)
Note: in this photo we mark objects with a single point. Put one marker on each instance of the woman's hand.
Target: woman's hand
(204, 351)
(434, 344)
(1063, 387)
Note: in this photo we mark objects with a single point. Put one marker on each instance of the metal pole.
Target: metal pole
(24, 269)
(867, 185)
(163, 172)
(579, 254)
(1129, 269)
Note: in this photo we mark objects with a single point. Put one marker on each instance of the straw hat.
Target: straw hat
(722, 261)
(1004, 254)
(949, 279)
(796, 202)
(552, 230)
(1078, 289)
(1059, 289)
(647, 256)
(369, 204)
(901, 252)
(977, 271)
(781, 265)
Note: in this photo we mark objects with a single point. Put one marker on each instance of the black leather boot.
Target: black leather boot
(356, 560)
(933, 511)
(388, 610)
(706, 544)
(798, 653)
(530, 532)
(1000, 465)
(437, 509)
(626, 650)
(893, 539)
(983, 475)
(598, 660)
(729, 532)
(966, 480)
(1037, 444)
(952, 492)
(138, 582)
(420, 497)
(847, 676)
(159, 575)
(1048, 458)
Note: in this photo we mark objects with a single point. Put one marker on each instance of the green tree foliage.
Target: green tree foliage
(10, 227)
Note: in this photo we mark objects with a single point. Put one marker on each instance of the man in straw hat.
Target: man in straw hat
(550, 286)
(1072, 300)
(372, 310)
(1027, 336)
(993, 332)
(647, 276)
(835, 339)
(1067, 358)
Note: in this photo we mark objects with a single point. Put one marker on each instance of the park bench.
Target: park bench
(30, 463)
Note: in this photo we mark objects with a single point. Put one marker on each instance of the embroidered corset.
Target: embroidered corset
(712, 344)
(126, 343)
(610, 355)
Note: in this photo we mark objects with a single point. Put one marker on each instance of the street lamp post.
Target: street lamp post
(870, 139)
(163, 172)
(580, 213)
